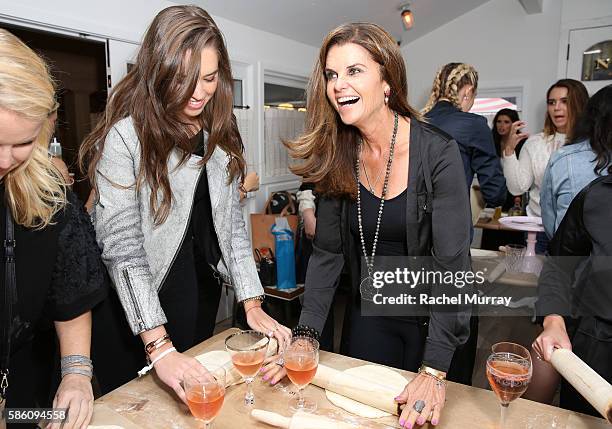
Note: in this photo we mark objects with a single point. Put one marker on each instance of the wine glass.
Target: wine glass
(205, 393)
(509, 373)
(301, 361)
(248, 351)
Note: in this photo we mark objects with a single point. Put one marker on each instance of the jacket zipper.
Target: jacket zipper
(184, 232)
(137, 308)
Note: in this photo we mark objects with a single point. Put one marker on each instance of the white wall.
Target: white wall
(585, 9)
(506, 46)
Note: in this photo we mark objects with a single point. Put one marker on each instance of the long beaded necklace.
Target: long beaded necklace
(366, 286)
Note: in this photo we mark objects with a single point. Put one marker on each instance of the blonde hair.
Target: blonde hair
(448, 82)
(328, 146)
(35, 191)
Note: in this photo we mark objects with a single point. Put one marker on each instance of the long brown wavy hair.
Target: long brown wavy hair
(577, 98)
(155, 92)
(328, 146)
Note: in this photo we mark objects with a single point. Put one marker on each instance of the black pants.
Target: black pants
(400, 343)
(592, 343)
(190, 303)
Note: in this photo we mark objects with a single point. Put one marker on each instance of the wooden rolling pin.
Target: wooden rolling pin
(367, 392)
(596, 390)
(299, 420)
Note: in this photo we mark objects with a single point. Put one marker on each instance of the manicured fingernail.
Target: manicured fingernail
(397, 398)
(265, 377)
(272, 383)
(434, 422)
(420, 420)
(409, 425)
(263, 369)
(402, 421)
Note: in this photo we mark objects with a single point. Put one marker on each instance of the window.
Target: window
(492, 100)
(284, 117)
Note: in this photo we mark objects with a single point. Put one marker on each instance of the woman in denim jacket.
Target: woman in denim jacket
(574, 166)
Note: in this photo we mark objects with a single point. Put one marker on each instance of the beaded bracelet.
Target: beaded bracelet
(306, 331)
(259, 298)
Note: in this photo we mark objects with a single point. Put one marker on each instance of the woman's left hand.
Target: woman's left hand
(75, 394)
(422, 388)
(260, 321)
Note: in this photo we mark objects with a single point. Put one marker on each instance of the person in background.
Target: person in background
(166, 161)
(452, 96)
(576, 304)
(51, 267)
(565, 100)
(583, 159)
(364, 147)
(502, 123)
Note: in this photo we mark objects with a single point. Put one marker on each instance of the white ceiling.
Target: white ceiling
(308, 21)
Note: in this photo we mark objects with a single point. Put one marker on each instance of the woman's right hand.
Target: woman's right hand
(272, 370)
(554, 336)
(171, 368)
(515, 137)
(310, 223)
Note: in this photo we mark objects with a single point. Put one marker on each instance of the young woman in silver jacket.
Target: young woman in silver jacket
(167, 160)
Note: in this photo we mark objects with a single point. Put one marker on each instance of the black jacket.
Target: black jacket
(438, 225)
(477, 149)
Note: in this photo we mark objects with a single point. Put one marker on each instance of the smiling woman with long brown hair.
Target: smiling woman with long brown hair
(389, 188)
(166, 161)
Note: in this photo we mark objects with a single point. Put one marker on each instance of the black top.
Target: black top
(392, 233)
(200, 238)
(584, 234)
(477, 149)
(59, 276)
(437, 225)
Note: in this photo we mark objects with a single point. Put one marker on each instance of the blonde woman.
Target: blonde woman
(42, 225)
(452, 96)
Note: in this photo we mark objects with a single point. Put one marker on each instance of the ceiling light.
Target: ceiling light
(407, 16)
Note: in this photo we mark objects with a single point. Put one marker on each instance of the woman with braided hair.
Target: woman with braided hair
(452, 96)
(566, 100)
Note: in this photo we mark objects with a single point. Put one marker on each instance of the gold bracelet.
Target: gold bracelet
(438, 375)
(153, 345)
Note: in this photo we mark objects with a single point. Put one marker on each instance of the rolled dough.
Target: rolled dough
(376, 374)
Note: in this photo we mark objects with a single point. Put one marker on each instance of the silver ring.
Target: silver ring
(280, 362)
(419, 405)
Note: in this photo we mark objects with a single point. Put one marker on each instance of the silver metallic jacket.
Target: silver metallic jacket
(137, 253)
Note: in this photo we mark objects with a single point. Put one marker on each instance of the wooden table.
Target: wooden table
(490, 223)
(145, 403)
(487, 264)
